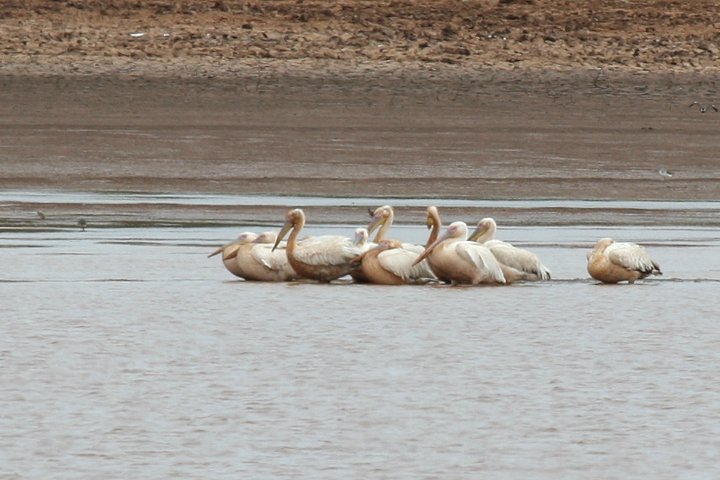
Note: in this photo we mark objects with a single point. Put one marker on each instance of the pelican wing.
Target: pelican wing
(413, 248)
(631, 256)
(326, 250)
(518, 258)
(274, 260)
(481, 257)
(400, 262)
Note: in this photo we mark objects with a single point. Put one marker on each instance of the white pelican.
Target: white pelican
(612, 262)
(361, 238)
(451, 256)
(263, 263)
(230, 250)
(526, 265)
(323, 258)
(388, 263)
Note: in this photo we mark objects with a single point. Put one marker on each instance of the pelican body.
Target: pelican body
(383, 217)
(517, 263)
(611, 262)
(389, 263)
(263, 263)
(461, 261)
(324, 258)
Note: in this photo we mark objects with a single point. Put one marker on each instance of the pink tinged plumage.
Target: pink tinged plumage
(611, 262)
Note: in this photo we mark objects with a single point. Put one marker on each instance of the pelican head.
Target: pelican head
(456, 231)
(379, 216)
(231, 251)
(381, 246)
(388, 245)
(485, 228)
(266, 237)
(244, 237)
(432, 216)
(361, 236)
(602, 244)
(295, 217)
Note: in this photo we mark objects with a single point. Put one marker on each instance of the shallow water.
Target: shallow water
(126, 353)
(39, 197)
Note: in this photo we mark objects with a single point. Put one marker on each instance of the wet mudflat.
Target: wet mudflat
(482, 136)
(127, 352)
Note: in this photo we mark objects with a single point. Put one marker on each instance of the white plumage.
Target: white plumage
(326, 250)
(400, 262)
(361, 238)
(389, 263)
(527, 265)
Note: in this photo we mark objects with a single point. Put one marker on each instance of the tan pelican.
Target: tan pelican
(433, 224)
(453, 257)
(383, 217)
(611, 262)
(262, 262)
(521, 264)
(361, 240)
(323, 258)
(230, 250)
(388, 263)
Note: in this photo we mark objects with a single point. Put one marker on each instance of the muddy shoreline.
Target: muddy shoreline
(493, 135)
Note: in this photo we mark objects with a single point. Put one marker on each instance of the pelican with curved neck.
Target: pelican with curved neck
(382, 217)
(324, 258)
(452, 256)
(433, 224)
(485, 231)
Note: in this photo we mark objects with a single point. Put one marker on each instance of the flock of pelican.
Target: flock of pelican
(455, 256)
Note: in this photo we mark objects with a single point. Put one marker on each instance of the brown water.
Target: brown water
(126, 353)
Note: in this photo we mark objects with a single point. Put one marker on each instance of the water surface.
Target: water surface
(128, 353)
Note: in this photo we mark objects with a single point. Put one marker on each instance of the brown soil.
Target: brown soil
(471, 99)
(88, 35)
